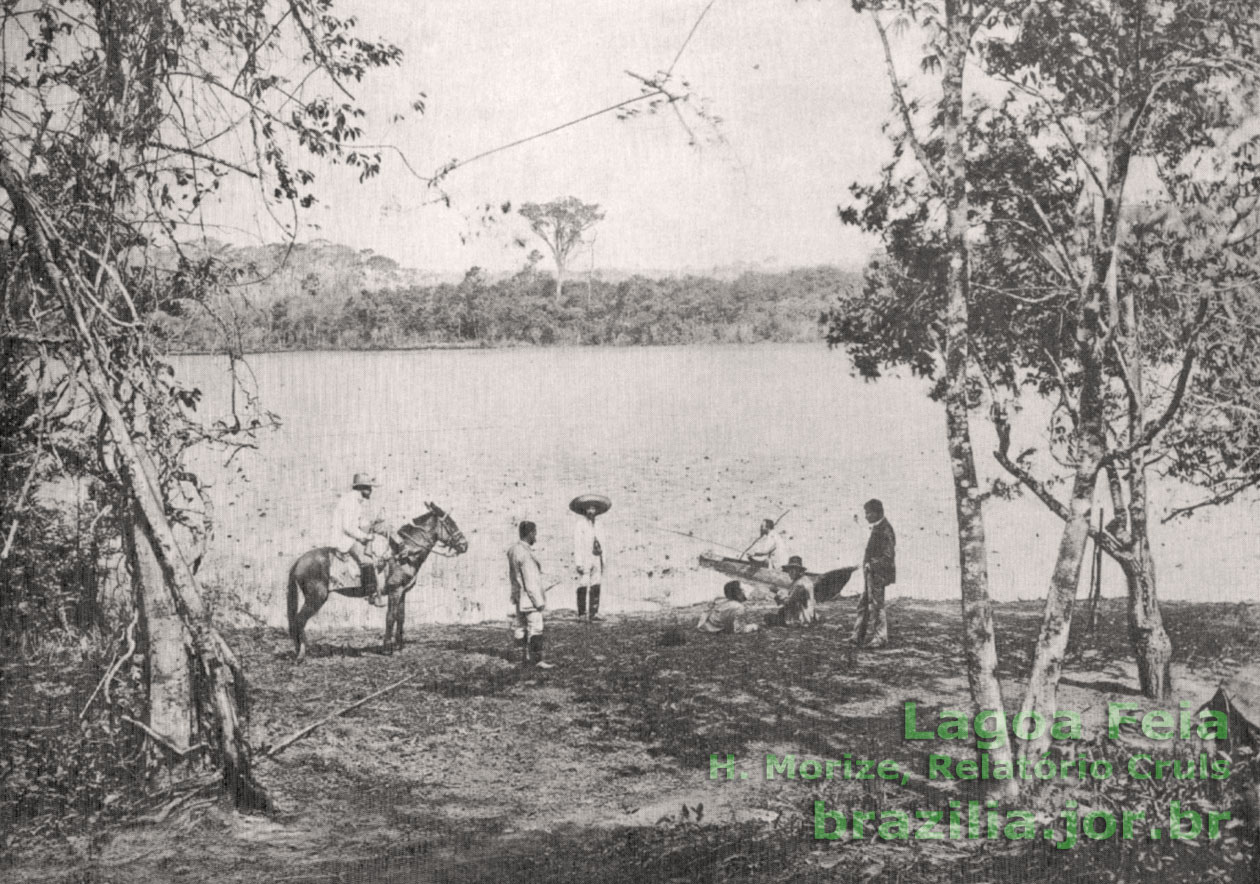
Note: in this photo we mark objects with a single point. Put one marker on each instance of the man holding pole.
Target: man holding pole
(768, 549)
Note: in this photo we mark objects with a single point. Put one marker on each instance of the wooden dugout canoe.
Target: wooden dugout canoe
(827, 586)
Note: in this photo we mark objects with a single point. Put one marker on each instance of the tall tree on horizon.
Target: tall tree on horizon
(561, 224)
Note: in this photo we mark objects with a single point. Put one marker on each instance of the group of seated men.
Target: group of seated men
(796, 601)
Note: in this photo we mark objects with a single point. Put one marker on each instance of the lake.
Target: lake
(700, 439)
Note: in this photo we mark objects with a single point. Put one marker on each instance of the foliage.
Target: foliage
(1036, 185)
(120, 121)
(520, 309)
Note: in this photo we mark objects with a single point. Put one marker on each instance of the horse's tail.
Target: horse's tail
(295, 592)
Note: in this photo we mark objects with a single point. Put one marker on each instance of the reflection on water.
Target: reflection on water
(705, 439)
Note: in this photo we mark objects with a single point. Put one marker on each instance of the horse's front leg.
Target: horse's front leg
(390, 615)
(402, 618)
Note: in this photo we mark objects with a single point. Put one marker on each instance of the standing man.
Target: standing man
(529, 597)
(353, 521)
(879, 568)
(769, 548)
(588, 551)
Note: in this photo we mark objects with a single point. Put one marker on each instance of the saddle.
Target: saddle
(343, 571)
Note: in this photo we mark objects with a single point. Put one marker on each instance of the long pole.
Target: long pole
(1095, 578)
(694, 537)
(293, 738)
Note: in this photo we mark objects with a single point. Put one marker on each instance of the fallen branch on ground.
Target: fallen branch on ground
(289, 741)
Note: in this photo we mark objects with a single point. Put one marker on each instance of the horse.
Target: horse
(310, 583)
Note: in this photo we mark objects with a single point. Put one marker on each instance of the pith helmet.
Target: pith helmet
(363, 480)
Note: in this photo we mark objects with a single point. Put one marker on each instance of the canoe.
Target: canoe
(827, 586)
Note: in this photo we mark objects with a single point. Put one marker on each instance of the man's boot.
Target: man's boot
(595, 603)
(536, 652)
(367, 573)
(581, 601)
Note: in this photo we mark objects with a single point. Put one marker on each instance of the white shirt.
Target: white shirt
(351, 519)
(585, 533)
(770, 548)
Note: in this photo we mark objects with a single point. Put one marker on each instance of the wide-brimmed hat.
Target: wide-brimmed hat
(363, 480)
(583, 502)
(794, 562)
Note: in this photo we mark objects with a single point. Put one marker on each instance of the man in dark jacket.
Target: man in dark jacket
(879, 567)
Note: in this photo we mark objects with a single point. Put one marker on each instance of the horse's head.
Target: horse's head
(445, 531)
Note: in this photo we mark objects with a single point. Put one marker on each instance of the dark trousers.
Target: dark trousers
(581, 600)
(871, 628)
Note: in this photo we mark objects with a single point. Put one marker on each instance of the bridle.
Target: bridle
(439, 530)
(448, 536)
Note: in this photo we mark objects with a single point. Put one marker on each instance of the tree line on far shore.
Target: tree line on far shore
(520, 309)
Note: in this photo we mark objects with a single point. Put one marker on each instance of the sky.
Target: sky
(799, 85)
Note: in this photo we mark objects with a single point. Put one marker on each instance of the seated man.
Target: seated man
(796, 602)
(769, 548)
(354, 522)
(725, 614)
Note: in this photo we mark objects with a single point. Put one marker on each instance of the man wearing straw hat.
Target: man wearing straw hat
(353, 521)
(588, 550)
(796, 602)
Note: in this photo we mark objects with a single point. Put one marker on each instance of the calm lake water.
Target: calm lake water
(700, 439)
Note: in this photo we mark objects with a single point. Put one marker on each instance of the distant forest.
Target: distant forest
(329, 297)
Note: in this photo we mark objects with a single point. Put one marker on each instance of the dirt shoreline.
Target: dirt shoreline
(479, 761)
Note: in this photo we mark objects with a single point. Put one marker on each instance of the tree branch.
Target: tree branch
(1109, 543)
(1215, 500)
(920, 152)
(1157, 426)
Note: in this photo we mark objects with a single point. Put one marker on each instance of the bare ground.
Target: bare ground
(480, 770)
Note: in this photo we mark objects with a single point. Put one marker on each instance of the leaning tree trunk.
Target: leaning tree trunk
(1040, 696)
(1152, 649)
(1096, 314)
(978, 639)
(223, 677)
(169, 679)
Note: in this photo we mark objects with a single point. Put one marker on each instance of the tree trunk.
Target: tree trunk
(224, 678)
(1096, 313)
(166, 643)
(978, 639)
(559, 283)
(1152, 649)
(1040, 697)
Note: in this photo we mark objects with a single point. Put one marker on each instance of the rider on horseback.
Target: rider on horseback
(353, 521)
